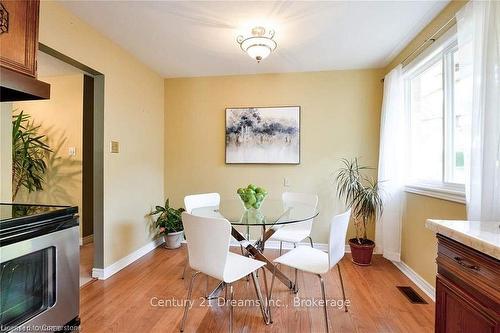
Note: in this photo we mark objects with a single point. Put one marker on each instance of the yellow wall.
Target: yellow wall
(418, 244)
(133, 115)
(340, 114)
(5, 152)
(61, 120)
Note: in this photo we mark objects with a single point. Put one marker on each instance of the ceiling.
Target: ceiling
(187, 38)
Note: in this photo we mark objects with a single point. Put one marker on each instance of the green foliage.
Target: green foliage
(28, 155)
(169, 219)
(361, 193)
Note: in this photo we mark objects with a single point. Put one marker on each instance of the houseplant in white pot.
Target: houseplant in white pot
(169, 224)
(363, 195)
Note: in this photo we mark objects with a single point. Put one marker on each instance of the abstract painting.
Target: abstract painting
(268, 135)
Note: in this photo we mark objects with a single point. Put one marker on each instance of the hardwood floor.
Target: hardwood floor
(128, 301)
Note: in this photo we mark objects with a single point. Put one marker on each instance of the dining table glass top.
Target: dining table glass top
(272, 211)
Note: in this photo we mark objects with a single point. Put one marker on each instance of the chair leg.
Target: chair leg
(311, 241)
(324, 302)
(281, 247)
(188, 301)
(295, 287)
(231, 295)
(342, 285)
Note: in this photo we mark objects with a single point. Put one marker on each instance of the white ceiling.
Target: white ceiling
(187, 38)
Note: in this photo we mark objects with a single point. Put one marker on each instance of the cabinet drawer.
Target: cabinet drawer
(472, 267)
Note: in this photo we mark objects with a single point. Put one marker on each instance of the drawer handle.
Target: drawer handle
(465, 264)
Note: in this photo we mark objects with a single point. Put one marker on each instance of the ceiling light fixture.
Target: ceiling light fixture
(259, 45)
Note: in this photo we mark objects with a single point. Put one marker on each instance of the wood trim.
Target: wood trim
(18, 87)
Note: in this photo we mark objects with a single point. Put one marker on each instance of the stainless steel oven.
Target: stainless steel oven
(39, 272)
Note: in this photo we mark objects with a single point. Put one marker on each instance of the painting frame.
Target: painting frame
(260, 108)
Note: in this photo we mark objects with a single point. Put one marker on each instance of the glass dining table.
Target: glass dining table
(272, 215)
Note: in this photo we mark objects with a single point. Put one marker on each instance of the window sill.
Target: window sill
(437, 192)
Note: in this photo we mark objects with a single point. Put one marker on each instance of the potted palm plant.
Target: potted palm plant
(29, 151)
(169, 224)
(362, 194)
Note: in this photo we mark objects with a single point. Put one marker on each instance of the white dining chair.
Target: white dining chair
(195, 201)
(208, 246)
(201, 200)
(295, 232)
(310, 260)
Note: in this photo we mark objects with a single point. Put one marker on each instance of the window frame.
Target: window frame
(443, 48)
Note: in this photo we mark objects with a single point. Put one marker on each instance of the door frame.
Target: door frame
(97, 150)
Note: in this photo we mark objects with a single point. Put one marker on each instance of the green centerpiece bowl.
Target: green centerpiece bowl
(252, 196)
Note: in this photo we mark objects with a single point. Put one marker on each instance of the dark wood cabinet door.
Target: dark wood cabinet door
(19, 35)
(457, 312)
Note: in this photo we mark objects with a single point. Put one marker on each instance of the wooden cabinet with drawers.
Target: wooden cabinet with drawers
(467, 289)
(19, 35)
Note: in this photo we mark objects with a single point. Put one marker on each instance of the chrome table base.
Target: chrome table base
(256, 251)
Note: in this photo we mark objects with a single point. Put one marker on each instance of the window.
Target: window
(437, 124)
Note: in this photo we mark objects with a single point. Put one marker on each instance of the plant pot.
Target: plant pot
(173, 240)
(361, 253)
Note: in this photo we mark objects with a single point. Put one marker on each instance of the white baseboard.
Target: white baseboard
(275, 245)
(392, 256)
(103, 274)
(425, 286)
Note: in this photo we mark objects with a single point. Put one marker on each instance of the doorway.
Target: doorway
(92, 153)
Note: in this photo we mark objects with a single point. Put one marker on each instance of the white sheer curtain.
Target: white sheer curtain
(478, 26)
(392, 165)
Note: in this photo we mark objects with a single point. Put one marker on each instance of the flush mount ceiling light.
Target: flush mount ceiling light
(259, 45)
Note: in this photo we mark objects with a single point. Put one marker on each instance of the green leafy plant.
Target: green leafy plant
(360, 193)
(169, 219)
(29, 151)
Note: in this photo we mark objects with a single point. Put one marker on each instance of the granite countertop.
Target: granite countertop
(481, 236)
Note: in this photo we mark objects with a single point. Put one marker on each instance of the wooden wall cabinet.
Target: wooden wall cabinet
(467, 289)
(19, 35)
